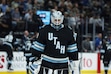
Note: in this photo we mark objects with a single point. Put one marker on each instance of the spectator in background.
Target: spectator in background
(61, 3)
(7, 20)
(40, 4)
(37, 21)
(4, 6)
(107, 15)
(74, 16)
(16, 18)
(28, 5)
(22, 7)
(48, 4)
(36, 5)
(29, 21)
(98, 42)
(72, 21)
(86, 46)
(97, 21)
(96, 5)
(85, 3)
(14, 4)
(68, 3)
(33, 21)
(66, 15)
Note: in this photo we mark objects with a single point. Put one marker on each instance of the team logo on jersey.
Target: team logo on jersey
(57, 43)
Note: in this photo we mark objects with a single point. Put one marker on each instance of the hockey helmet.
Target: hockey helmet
(57, 18)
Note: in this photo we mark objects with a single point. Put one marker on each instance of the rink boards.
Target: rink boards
(91, 64)
(82, 72)
(93, 72)
(18, 63)
(14, 72)
(87, 64)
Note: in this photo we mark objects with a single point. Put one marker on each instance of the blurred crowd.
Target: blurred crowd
(81, 15)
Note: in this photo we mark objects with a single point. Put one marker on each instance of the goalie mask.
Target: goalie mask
(57, 18)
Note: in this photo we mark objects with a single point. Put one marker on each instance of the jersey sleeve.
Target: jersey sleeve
(37, 47)
(72, 49)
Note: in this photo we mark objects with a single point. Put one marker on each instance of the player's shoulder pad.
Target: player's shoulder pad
(43, 26)
(69, 27)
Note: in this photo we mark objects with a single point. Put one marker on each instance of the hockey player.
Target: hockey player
(8, 47)
(55, 46)
(107, 58)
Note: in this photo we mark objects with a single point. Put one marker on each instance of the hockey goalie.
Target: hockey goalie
(55, 46)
